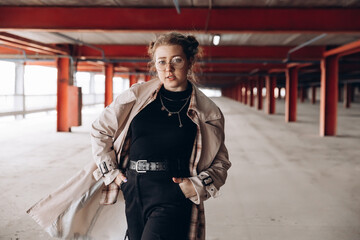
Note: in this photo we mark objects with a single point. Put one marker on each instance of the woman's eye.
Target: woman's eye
(177, 60)
(161, 62)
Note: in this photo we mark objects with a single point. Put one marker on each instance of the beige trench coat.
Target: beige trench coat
(77, 210)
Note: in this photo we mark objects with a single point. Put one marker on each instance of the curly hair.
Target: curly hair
(188, 43)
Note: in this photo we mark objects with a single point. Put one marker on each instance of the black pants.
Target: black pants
(156, 208)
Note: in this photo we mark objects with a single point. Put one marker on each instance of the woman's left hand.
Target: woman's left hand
(186, 186)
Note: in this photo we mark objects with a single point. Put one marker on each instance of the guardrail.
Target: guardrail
(25, 104)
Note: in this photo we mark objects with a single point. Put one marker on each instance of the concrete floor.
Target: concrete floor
(286, 182)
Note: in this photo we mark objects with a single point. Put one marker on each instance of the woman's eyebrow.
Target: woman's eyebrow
(170, 57)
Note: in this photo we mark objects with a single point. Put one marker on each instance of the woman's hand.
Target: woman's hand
(120, 178)
(186, 186)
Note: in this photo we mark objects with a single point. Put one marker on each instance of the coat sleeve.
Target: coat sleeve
(208, 182)
(103, 132)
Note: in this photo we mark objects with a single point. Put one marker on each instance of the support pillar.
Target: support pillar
(329, 95)
(251, 86)
(291, 94)
(236, 92)
(347, 95)
(313, 94)
(279, 91)
(240, 94)
(63, 82)
(133, 79)
(259, 93)
(19, 100)
(147, 78)
(246, 87)
(109, 74)
(270, 96)
(302, 94)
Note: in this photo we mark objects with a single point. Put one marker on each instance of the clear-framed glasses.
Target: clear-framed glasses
(176, 62)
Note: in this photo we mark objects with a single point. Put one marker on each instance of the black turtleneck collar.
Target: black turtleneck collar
(176, 95)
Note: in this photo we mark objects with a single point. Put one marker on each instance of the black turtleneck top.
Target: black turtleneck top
(156, 136)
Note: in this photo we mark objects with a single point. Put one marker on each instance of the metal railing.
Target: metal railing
(16, 104)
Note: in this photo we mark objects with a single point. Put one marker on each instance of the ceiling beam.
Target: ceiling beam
(30, 45)
(347, 49)
(230, 52)
(191, 19)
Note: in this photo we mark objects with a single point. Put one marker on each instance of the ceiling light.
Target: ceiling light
(216, 39)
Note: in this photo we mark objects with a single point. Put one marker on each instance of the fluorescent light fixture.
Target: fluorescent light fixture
(216, 39)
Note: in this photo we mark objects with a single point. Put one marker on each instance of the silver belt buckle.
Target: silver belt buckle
(137, 166)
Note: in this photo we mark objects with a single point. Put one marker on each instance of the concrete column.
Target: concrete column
(329, 95)
(240, 86)
(109, 74)
(237, 89)
(270, 96)
(251, 86)
(302, 94)
(19, 100)
(291, 94)
(347, 95)
(313, 94)
(259, 93)
(279, 92)
(246, 88)
(234, 93)
(64, 77)
(133, 79)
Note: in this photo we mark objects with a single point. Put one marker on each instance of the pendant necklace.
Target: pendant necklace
(163, 108)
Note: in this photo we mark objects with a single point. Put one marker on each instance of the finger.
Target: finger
(177, 180)
(122, 177)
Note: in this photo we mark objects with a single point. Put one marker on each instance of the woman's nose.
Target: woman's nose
(169, 67)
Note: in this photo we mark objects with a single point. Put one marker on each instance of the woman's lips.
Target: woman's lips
(171, 77)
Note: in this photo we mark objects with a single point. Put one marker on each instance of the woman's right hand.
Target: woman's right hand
(120, 178)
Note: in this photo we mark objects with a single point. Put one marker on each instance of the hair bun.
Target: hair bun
(192, 40)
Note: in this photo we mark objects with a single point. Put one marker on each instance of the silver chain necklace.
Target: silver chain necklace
(163, 108)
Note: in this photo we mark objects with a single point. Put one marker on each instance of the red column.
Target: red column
(109, 74)
(302, 94)
(251, 86)
(347, 95)
(246, 86)
(147, 78)
(259, 93)
(329, 95)
(270, 96)
(223, 92)
(133, 79)
(291, 94)
(279, 92)
(240, 92)
(63, 80)
(234, 92)
(313, 97)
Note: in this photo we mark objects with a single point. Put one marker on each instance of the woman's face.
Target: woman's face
(172, 67)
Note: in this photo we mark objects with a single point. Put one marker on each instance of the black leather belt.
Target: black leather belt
(143, 166)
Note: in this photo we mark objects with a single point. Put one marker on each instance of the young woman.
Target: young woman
(162, 144)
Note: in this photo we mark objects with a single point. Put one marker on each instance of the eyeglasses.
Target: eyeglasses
(176, 62)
